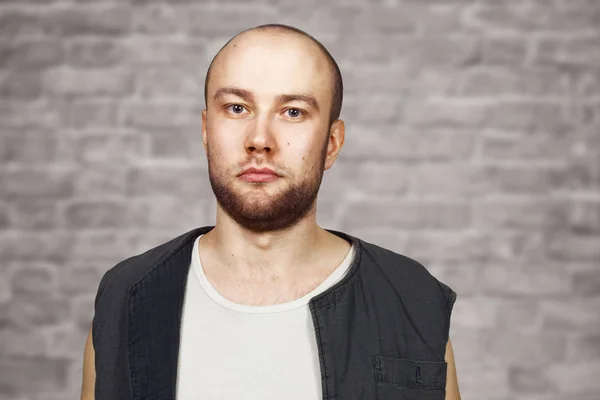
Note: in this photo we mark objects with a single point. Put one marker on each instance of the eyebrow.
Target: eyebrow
(282, 98)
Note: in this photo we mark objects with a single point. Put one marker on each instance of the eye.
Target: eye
(294, 112)
(236, 108)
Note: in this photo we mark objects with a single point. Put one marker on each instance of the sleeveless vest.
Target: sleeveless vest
(381, 331)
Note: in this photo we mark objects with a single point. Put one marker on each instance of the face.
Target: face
(268, 103)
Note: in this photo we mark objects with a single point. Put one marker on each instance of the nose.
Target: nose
(260, 138)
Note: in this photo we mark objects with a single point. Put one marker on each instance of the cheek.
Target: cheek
(221, 139)
(306, 156)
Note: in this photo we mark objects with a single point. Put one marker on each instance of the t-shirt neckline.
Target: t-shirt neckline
(273, 308)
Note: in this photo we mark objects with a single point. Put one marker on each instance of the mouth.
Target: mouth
(258, 177)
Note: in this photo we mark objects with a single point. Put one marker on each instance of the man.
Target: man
(266, 304)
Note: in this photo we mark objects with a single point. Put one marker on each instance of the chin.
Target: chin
(256, 201)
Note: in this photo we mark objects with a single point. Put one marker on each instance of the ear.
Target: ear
(335, 143)
(204, 139)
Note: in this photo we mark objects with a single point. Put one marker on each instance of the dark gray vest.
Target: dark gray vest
(381, 331)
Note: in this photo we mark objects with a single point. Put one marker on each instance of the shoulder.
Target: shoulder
(119, 278)
(407, 274)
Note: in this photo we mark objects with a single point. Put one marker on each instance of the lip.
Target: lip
(259, 175)
(253, 170)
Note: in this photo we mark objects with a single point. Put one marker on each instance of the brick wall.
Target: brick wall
(473, 145)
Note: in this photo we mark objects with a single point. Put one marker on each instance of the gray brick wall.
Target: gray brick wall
(473, 145)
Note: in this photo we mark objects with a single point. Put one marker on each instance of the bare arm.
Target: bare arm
(452, 392)
(89, 369)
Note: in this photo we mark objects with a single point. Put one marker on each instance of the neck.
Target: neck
(283, 253)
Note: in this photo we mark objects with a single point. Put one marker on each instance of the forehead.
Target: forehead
(270, 64)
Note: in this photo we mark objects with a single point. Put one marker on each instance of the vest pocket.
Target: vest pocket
(408, 379)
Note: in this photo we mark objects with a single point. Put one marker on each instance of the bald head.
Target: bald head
(334, 74)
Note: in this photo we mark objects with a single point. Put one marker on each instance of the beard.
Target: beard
(260, 212)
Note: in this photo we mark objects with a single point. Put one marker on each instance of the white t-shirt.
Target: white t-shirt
(234, 351)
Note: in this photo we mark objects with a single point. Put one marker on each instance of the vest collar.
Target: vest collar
(154, 309)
